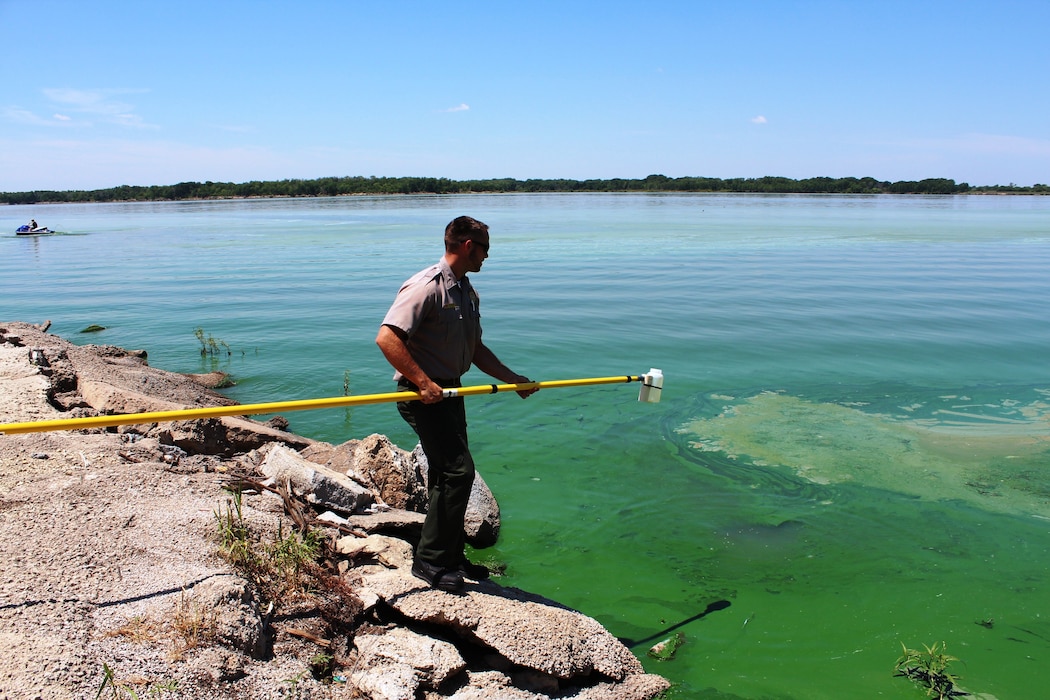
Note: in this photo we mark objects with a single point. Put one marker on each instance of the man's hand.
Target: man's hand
(430, 392)
(525, 393)
(487, 362)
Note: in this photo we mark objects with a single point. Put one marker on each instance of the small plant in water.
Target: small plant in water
(210, 347)
(929, 669)
(347, 411)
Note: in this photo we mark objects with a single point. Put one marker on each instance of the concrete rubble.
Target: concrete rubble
(411, 641)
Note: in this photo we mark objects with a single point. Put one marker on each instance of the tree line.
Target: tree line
(336, 186)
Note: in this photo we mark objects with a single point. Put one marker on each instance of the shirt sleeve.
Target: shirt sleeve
(412, 303)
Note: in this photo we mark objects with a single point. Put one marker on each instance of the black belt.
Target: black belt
(443, 383)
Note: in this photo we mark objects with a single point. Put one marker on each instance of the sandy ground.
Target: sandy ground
(100, 555)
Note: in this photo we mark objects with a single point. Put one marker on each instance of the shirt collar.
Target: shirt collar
(450, 277)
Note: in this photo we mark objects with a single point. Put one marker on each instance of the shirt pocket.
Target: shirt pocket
(450, 318)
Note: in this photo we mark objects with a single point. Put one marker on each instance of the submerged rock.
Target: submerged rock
(665, 650)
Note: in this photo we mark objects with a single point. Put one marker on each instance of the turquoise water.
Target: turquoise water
(852, 447)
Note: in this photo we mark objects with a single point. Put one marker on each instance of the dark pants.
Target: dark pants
(442, 431)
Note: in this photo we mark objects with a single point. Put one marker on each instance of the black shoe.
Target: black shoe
(474, 571)
(440, 578)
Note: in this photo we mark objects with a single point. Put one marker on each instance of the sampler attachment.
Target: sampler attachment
(652, 386)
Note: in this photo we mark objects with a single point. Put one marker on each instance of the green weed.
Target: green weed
(276, 567)
(293, 684)
(929, 669)
(322, 664)
(118, 690)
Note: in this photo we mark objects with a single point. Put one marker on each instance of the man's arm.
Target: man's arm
(487, 362)
(391, 342)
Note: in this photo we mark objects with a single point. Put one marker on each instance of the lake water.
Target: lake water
(853, 447)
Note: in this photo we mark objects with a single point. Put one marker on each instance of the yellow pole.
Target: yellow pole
(300, 405)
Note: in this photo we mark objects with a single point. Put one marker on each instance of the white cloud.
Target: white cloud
(458, 108)
(100, 104)
(759, 120)
(25, 117)
(22, 116)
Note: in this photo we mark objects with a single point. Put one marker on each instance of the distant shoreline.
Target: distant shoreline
(349, 186)
(412, 194)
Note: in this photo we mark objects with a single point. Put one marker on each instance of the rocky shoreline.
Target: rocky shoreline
(113, 580)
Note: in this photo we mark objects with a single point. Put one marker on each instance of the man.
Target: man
(432, 335)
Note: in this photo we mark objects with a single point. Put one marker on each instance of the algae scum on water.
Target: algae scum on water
(988, 448)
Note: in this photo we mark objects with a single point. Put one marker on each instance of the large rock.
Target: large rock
(107, 398)
(316, 483)
(396, 664)
(228, 604)
(391, 472)
(225, 435)
(482, 520)
(128, 369)
(405, 524)
(400, 480)
(563, 647)
(392, 682)
(245, 434)
(111, 380)
(219, 435)
(391, 552)
(487, 685)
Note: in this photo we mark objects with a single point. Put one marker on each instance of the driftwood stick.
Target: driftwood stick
(302, 634)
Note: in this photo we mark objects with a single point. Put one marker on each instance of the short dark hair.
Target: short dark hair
(463, 228)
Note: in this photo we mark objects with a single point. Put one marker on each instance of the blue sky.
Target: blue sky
(102, 93)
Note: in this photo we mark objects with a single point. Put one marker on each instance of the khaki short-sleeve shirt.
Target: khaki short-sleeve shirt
(440, 318)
